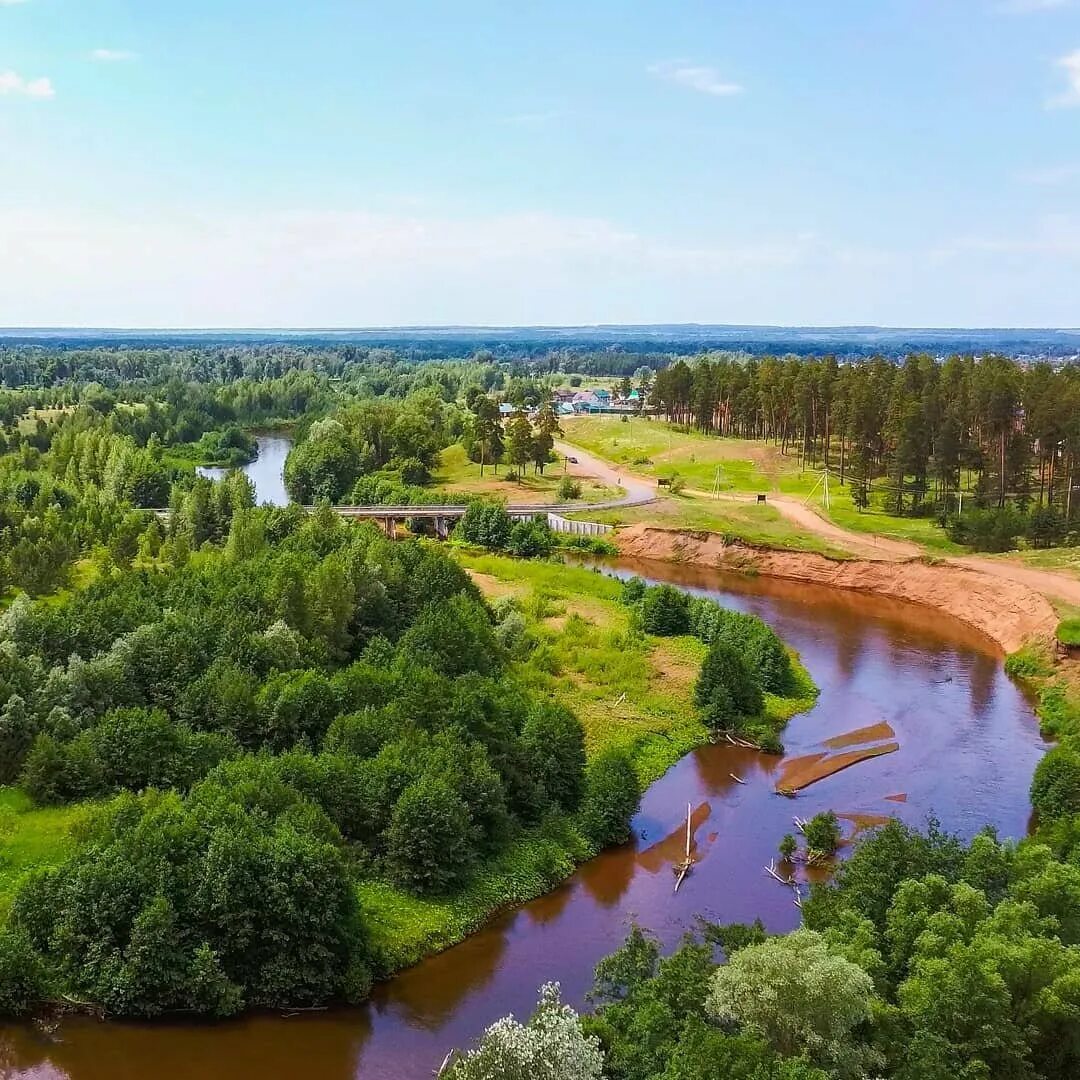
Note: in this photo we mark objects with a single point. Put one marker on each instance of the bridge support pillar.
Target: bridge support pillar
(442, 531)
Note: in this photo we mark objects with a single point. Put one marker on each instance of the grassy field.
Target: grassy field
(458, 474)
(751, 522)
(654, 448)
(30, 838)
(629, 690)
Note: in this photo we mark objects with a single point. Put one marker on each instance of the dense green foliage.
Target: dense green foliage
(327, 707)
(487, 524)
(667, 611)
(727, 691)
(1068, 632)
(925, 959)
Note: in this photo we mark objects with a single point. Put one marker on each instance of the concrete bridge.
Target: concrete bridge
(443, 518)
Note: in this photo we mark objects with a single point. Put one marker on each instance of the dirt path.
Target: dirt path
(864, 545)
(1047, 582)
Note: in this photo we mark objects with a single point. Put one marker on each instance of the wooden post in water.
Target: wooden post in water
(684, 867)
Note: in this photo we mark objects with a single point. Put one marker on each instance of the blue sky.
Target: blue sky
(350, 163)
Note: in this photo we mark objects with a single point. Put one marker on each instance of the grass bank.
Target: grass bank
(1055, 686)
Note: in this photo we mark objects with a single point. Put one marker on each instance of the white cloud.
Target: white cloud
(13, 83)
(1051, 175)
(1070, 64)
(1026, 7)
(327, 268)
(1054, 236)
(112, 55)
(706, 80)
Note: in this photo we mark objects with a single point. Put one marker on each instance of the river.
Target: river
(968, 745)
(266, 472)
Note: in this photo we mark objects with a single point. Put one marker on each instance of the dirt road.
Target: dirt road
(638, 489)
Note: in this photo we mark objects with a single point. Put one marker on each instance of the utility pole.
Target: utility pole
(717, 477)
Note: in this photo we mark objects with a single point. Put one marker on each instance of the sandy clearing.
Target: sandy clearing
(1047, 582)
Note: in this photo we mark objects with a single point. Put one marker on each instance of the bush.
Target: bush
(22, 974)
(726, 690)
(431, 839)
(554, 745)
(665, 611)
(202, 905)
(414, 472)
(531, 539)
(569, 488)
(611, 799)
(486, 524)
(453, 637)
(822, 833)
(754, 639)
(633, 591)
(1026, 663)
(988, 530)
(1055, 790)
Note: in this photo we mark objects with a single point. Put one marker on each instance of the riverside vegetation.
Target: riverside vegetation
(923, 958)
(261, 756)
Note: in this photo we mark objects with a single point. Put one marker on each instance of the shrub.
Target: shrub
(414, 472)
(633, 590)
(726, 690)
(529, 539)
(822, 833)
(486, 524)
(665, 611)
(430, 842)
(754, 639)
(611, 799)
(1026, 662)
(201, 905)
(1055, 790)
(569, 488)
(554, 746)
(22, 974)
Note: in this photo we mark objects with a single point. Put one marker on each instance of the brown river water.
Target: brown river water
(968, 745)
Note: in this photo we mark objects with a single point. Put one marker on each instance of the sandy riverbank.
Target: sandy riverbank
(1007, 611)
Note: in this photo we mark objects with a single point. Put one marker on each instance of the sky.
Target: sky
(348, 163)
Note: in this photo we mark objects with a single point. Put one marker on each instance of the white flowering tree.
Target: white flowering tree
(551, 1046)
